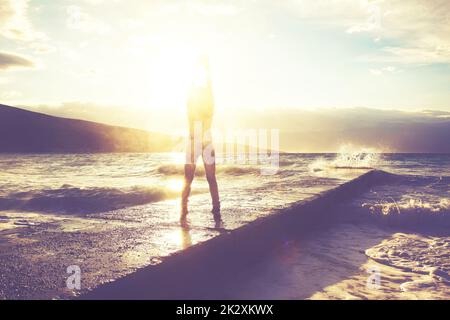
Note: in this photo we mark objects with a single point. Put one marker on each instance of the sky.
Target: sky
(125, 59)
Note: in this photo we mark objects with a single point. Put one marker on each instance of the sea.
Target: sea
(112, 214)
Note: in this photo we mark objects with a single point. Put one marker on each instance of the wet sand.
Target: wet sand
(305, 251)
(36, 249)
(332, 264)
(211, 270)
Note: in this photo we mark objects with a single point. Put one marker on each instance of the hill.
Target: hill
(27, 131)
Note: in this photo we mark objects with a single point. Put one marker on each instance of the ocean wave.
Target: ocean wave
(288, 163)
(405, 201)
(322, 164)
(72, 200)
(415, 253)
(411, 212)
(410, 206)
(349, 158)
(178, 170)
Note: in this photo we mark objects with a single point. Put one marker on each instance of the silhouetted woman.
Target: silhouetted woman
(200, 115)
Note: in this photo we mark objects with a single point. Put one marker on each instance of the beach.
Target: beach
(120, 221)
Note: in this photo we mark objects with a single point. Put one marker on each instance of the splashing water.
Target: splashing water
(410, 205)
(349, 157)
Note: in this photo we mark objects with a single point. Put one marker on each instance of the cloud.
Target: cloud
(203, 8)
(225, 9)
(376, 72)
(325, 130)
(108, 114)
(41, 47)
(78, 19)
(94, 2)
(97, 2)
(420, 28)
(322, 130)
(384, 70)
(15, 23)
(9, 95)
(13, 61)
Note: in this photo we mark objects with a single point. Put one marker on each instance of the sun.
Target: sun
(173, 70)
(178, 158)
(175, 184)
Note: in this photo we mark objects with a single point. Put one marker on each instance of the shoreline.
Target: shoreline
(198, 271)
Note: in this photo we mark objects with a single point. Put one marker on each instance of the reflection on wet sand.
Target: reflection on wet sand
(186, 240)
(186, 229)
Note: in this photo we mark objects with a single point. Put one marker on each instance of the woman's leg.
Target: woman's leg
(210, 169)
(209, 161)
(189, 168)
(189, 172)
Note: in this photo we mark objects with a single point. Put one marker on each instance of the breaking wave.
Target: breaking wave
(348, 158)
(413, 253)
(411, 202)
(415, 213)
(178, 170)
(409, 207)
(72, 200)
